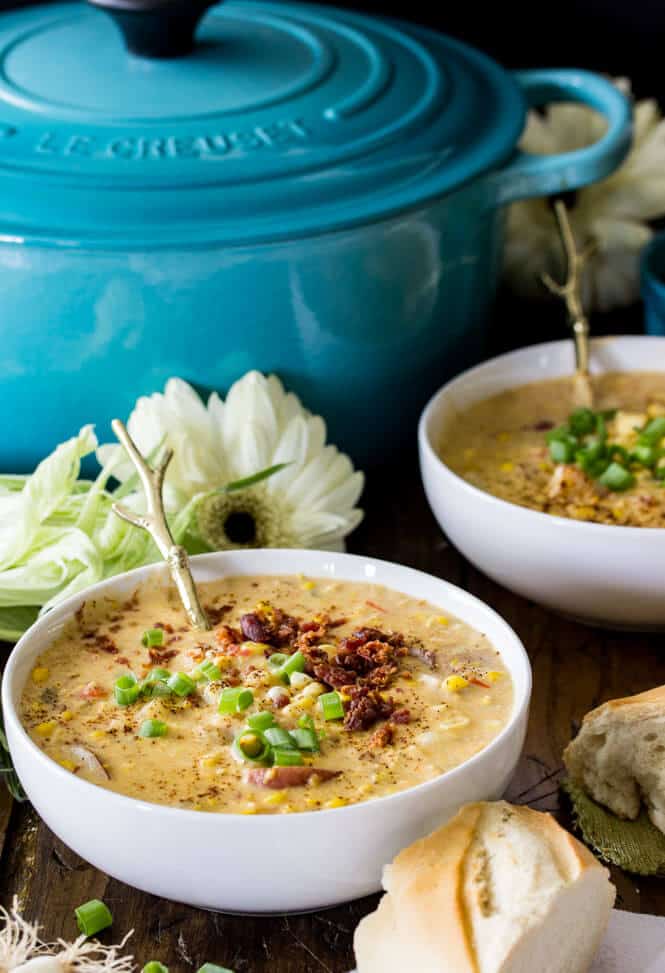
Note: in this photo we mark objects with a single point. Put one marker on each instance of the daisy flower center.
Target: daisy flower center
(250, 518)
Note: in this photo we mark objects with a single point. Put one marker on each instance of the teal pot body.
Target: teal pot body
(361, 300)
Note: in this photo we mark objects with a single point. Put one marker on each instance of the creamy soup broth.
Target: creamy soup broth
(421, 692)
(500, 445)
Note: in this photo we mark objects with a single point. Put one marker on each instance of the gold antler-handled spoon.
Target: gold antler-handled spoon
(154, 521)
(571, 292)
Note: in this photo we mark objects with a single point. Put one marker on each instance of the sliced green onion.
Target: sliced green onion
(155, 967)
(563, 450)
(261, 721)
(561, 432)
(277, 737)
(582, 422)
(306, 722)
(332, 706)
(276, 661)
(153, 636)
(616, 477)
(305, 740)
(234, 699)
(645, 454)
(287, 758)
(654, 431)
(294, 663)
(153, 728)
(126, 690)
(158, 675)
(181, 684)
(92, 917)
(250, 746)
(208, 670)
(213, 968)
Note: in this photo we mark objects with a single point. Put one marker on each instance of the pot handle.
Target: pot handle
(156, 28)
(528, 175)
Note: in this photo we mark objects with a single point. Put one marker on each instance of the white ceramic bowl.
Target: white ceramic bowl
(261, 863)
(597, 573)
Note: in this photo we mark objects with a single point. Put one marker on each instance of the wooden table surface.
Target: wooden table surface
(575, 668)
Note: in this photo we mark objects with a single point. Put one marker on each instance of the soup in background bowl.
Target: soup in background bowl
(607, 573)
(265, 862)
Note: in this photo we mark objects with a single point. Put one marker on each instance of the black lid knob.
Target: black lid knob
(156, 28)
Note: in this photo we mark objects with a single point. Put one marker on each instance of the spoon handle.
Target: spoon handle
(154, 521)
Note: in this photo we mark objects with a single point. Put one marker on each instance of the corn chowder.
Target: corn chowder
(531, 446)
(306, 694)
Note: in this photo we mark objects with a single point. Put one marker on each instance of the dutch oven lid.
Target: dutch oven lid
(277, 120)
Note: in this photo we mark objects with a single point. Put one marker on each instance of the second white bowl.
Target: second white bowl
(599, 574)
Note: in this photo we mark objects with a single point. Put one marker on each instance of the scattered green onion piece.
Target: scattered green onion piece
(654, 431)
(234, 699)
(126, 690)
(287, 758)
(617, 478)
(294, 663)
(601, 427)
(616, 453)
(92, 917)
(181, 684)
(561, 432)
(306, 722)
(213, 968)
(261, 721)
(278, 737)
(305, 740)
(276, 661)
(582, 422)
(158, 675)
(251, 747)
(150, 689)
(153, 636)
(332, 706)
(562, 450)
(155, 967)
(208, 670)
(153, 728)
(645, 454)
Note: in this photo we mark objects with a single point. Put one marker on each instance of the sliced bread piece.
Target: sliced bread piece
(618, 757)
(499, 889)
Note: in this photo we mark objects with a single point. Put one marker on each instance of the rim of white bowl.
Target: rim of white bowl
(67, 608)
(425, 432)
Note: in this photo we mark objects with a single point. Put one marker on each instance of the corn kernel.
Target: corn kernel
(277, 798)
(249, 809)
(312, 690)
(455, 683)
(494, 675)
(308, 585)
(299, 680)
(618, 511)
(305, 702)
(46, 729)
(210, 761)
(470, 452)
(442, 620)
(66, 715)
(336, 802)
(98, 734)
(67, 764)
(583, 513)
(503, 437)
(507, 467)
(254, 648)
(544, 467)
(40, 674)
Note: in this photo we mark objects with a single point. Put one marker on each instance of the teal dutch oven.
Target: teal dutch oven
(299, 189)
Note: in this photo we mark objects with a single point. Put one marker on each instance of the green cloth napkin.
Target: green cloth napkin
(635, 846)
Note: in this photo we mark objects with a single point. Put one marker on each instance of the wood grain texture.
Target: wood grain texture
(575, 668)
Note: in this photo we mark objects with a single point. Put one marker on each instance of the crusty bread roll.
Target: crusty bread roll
(499, 889)
(618, 756)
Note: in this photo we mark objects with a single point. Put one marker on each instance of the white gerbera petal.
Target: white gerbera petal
(310, 502)
(613, 212)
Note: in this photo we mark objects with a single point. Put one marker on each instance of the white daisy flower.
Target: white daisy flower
(309, 502)
(613, 213)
